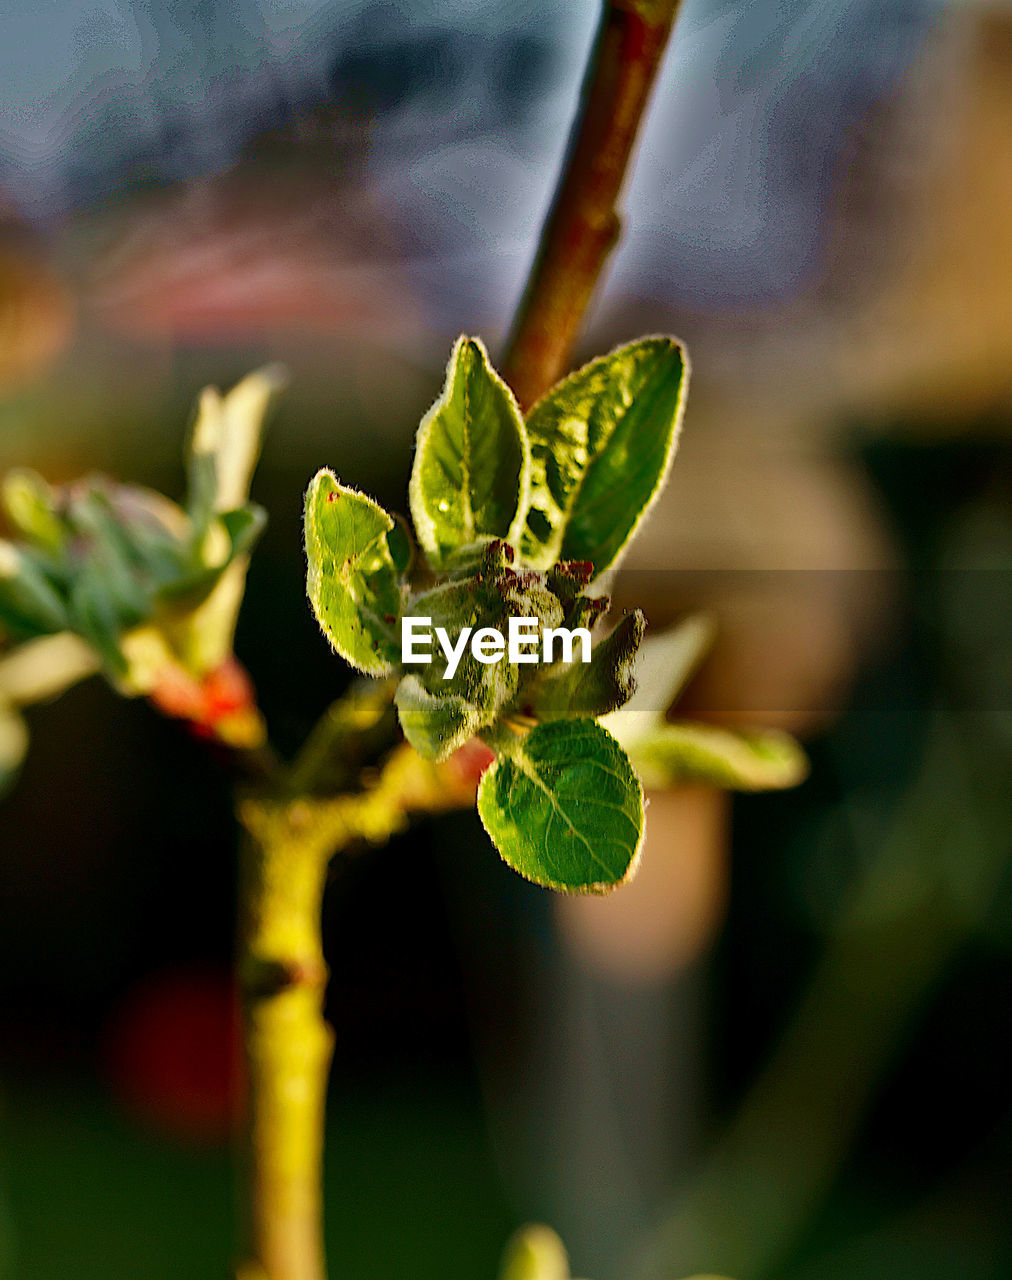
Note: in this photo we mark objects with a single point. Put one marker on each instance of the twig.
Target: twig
(281, 962)
(288, 1049)
(583, 224)
(289, 842)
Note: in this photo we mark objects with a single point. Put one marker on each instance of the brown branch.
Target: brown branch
(583, 225)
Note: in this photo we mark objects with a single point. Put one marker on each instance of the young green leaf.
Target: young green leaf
(97, 614)
(472, 461)
(596, 687)
(30, 504)
(29, 604)
(352, 581)
(564, 807)
(601, 445)
(455, 606)
(402, 546)
(42, 669)
(225, 441)
(666, 662)
(487, 598)
(13, 745)
(435, 724)
(534, 1252)
(740, 760)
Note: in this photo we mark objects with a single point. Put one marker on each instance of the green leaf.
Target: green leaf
(596, 687)
(741, 760)
(44, 668)
(113, 562)
(435, 724)
(153, 534)
(29, 604)
(534, 1252)
(352, 581)
(472, 461)
(402, 546)
(187, 590)
(31, 507)
(564, 807)
(13, 745)
(601, 445)
(667, 661)
(97, 616)
(225, 442)
(244, 526)
(487, 598)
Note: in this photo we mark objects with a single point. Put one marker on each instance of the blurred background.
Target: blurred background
(778, 1053)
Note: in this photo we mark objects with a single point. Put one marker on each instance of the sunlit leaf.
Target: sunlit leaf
(225, 442)
(402, 546)
(564, 807)
(352, 581)
(472, 461)
(740, 760)
(30, 506)
(601, 444)
(534, 1252)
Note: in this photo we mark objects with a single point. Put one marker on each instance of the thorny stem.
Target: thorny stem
(583, 225)
(281, 967)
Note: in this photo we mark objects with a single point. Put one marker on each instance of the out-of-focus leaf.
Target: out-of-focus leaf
(211, 625)
(13, 745)
(564, 807)
(225, 442)
(110, 572)
(602, 441)
(29, 604)
(222, 453)
(96, 616)
(666, 662)
(34, 672)
(42, 669)
(243, 526)
(30, 506)
(352, 581)
(741, 760)
(146, 652)
(534, 1252)
(472, 461)
(153, 590)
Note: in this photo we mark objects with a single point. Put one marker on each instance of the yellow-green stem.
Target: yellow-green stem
(287, 848)
(288, 1050)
